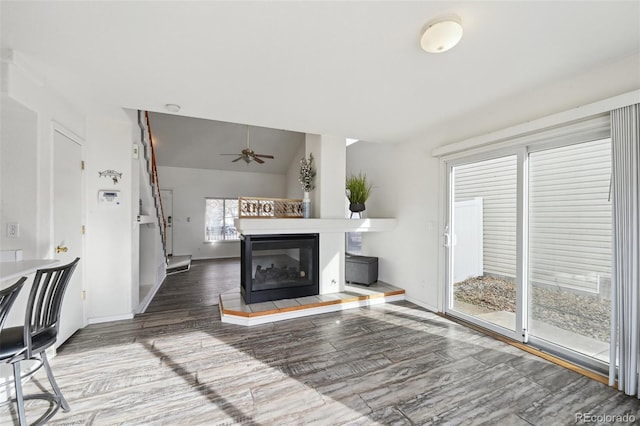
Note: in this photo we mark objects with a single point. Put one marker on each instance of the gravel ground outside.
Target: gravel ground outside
(584, 315)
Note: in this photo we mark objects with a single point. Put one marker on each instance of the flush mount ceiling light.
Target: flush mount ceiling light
(172, 107)
(441, 34)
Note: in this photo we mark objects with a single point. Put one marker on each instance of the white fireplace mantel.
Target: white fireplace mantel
(261, 226)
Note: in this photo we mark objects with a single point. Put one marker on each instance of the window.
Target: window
(218, 219)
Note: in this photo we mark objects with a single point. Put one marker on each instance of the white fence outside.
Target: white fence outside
(467, 240)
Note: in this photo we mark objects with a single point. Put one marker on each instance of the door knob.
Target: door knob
(61, 249)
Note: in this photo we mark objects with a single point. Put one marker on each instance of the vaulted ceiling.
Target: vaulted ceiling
(350, 68)
(206, 144)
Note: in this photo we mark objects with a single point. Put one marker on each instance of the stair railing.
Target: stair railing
(150, 160)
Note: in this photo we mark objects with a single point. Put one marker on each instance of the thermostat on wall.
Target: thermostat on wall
(109, 197)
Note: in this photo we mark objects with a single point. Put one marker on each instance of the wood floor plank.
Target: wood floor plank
(393, 364)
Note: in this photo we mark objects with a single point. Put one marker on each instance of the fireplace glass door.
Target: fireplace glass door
(279, 266)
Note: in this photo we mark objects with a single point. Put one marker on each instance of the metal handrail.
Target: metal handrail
(154, 181)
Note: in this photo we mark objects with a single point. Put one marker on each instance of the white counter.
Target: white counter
(11, 271)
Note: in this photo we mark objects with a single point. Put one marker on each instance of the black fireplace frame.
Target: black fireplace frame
(251, 295)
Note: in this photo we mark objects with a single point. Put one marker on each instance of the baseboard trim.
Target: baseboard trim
(428, 307)
(99, 320)
(142, 307)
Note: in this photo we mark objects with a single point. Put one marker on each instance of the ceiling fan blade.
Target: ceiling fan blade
(230, 154)
(264, 156)
(237, 159)
(258, 160)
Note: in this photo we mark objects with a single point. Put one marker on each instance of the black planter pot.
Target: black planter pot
(356, 207)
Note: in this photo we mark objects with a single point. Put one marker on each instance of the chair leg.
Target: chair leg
(63, 402)
(17, 380)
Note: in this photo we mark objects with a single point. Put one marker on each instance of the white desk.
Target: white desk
(11, 271)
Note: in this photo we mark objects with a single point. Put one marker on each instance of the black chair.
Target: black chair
(39, 332)
(7, 297)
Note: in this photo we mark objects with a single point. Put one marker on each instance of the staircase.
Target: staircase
(152, 171)
(154, 262)
(174, 263)
(178, 264)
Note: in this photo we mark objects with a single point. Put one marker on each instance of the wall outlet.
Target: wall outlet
(13, 230)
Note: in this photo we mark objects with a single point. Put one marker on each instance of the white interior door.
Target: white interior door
(67, 228)
(167, 208)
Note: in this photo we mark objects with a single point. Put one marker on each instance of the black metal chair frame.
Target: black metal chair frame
(7, 297)
(40, 332)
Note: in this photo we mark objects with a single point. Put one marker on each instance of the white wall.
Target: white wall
(293, 187)
(330, 156)
(18, 175)
(376, 161)
(50, 107)
(406, 184)
(107, 145)
(109, 228)
(329, 153)
(609, 79)
(191, 187)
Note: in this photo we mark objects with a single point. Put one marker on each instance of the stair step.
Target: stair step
(178, 264)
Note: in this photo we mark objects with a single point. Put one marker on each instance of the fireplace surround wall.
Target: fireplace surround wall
(279, 266)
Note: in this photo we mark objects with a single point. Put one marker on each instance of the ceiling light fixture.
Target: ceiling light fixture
(441, 34)
(172, 107)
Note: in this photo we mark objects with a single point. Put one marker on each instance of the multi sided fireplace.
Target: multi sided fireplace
(279, 266)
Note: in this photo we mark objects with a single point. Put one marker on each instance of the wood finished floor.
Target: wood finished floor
(200, 286)
(389, 364)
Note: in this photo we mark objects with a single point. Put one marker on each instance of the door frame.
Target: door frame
(63, 130)
(519, 333)
(169, 221)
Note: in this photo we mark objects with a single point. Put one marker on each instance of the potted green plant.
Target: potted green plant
(358, 191)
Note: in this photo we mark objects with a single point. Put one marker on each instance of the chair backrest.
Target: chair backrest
(7, 297)
(45, 304)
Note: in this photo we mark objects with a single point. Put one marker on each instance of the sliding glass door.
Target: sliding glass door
(482, 238)
(570, 247)
(528, 240)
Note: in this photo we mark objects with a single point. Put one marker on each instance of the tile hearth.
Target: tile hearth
(234, 310)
